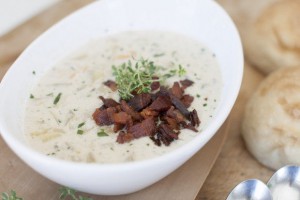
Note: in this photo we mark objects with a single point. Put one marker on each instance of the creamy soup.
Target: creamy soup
(58, 119)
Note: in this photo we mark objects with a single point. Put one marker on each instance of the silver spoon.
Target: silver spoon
(251, 189)
(285, 183)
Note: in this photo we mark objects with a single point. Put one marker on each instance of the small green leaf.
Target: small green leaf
(102, 133)
(57, 98)
(31, 96)
(80, 132)
(81, 125)
(158, 54)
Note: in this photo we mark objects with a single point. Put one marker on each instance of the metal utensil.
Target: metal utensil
(285, 183)
(251, 189)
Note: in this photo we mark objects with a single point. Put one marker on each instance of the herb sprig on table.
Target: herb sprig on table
(65, 193)
(10, 196)
(137, 77)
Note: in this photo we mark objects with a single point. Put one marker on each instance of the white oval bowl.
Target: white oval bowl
(202, 20)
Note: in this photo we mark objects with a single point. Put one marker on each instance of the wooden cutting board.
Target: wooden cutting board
(183, 184)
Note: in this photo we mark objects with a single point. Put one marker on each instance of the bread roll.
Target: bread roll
(271, 123)
(270, 31)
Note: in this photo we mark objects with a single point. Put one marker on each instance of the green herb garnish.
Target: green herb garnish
(134, 77)
(198, 95)
(31, 96)
(81, 125)
(138, 77)
(66, 192)
(33, 72)
(102, 133)
(80, 132)
(57, 98)
(158, 54)
(11, 196)
(181, 71)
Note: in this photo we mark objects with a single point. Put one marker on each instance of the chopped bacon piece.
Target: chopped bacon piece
(145, 128)
(154, 85)
(126, 108)
(104, 117)
(118, 127)
(155, 140)
(187, 100)
(121, 117)
(171, 122)
(175, 114)
(180, 106)
(111, 84)
(176, 90)
(194, 118)
(186, 83)
(161, 103)
(103, 107)
(163, 91)
(109, 102)
(148, 112)
(124, 137)
(166, 134)
(160, 115)
(140, 101)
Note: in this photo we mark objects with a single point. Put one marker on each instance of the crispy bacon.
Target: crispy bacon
(171, 122)
(175, 114)
(176, 90)
(186, 83)
(117, 127)
(187, 100)
(180, 106)
(161, 103)
(140, 101)
(166, 134)
(111, 84)
(104, 117)
(124, 137)
(145, 128)
(194, 118)
(160, 115)
(126, 108)
(121, 118)
(154, 85)
(149, 113)
(109, 102)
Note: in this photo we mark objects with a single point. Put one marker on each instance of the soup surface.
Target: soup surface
(64, 99)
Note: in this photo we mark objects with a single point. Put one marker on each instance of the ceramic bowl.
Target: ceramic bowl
(203, 20)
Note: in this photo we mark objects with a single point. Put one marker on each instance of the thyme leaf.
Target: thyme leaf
(57, 98)
(81, 125)
(102, 133)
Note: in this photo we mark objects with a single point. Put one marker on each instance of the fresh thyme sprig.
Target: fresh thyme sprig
(11, 196)
(138, 77)
(66, 192)
(134, 77)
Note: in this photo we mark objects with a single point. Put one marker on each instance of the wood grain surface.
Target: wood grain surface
(183, 184)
